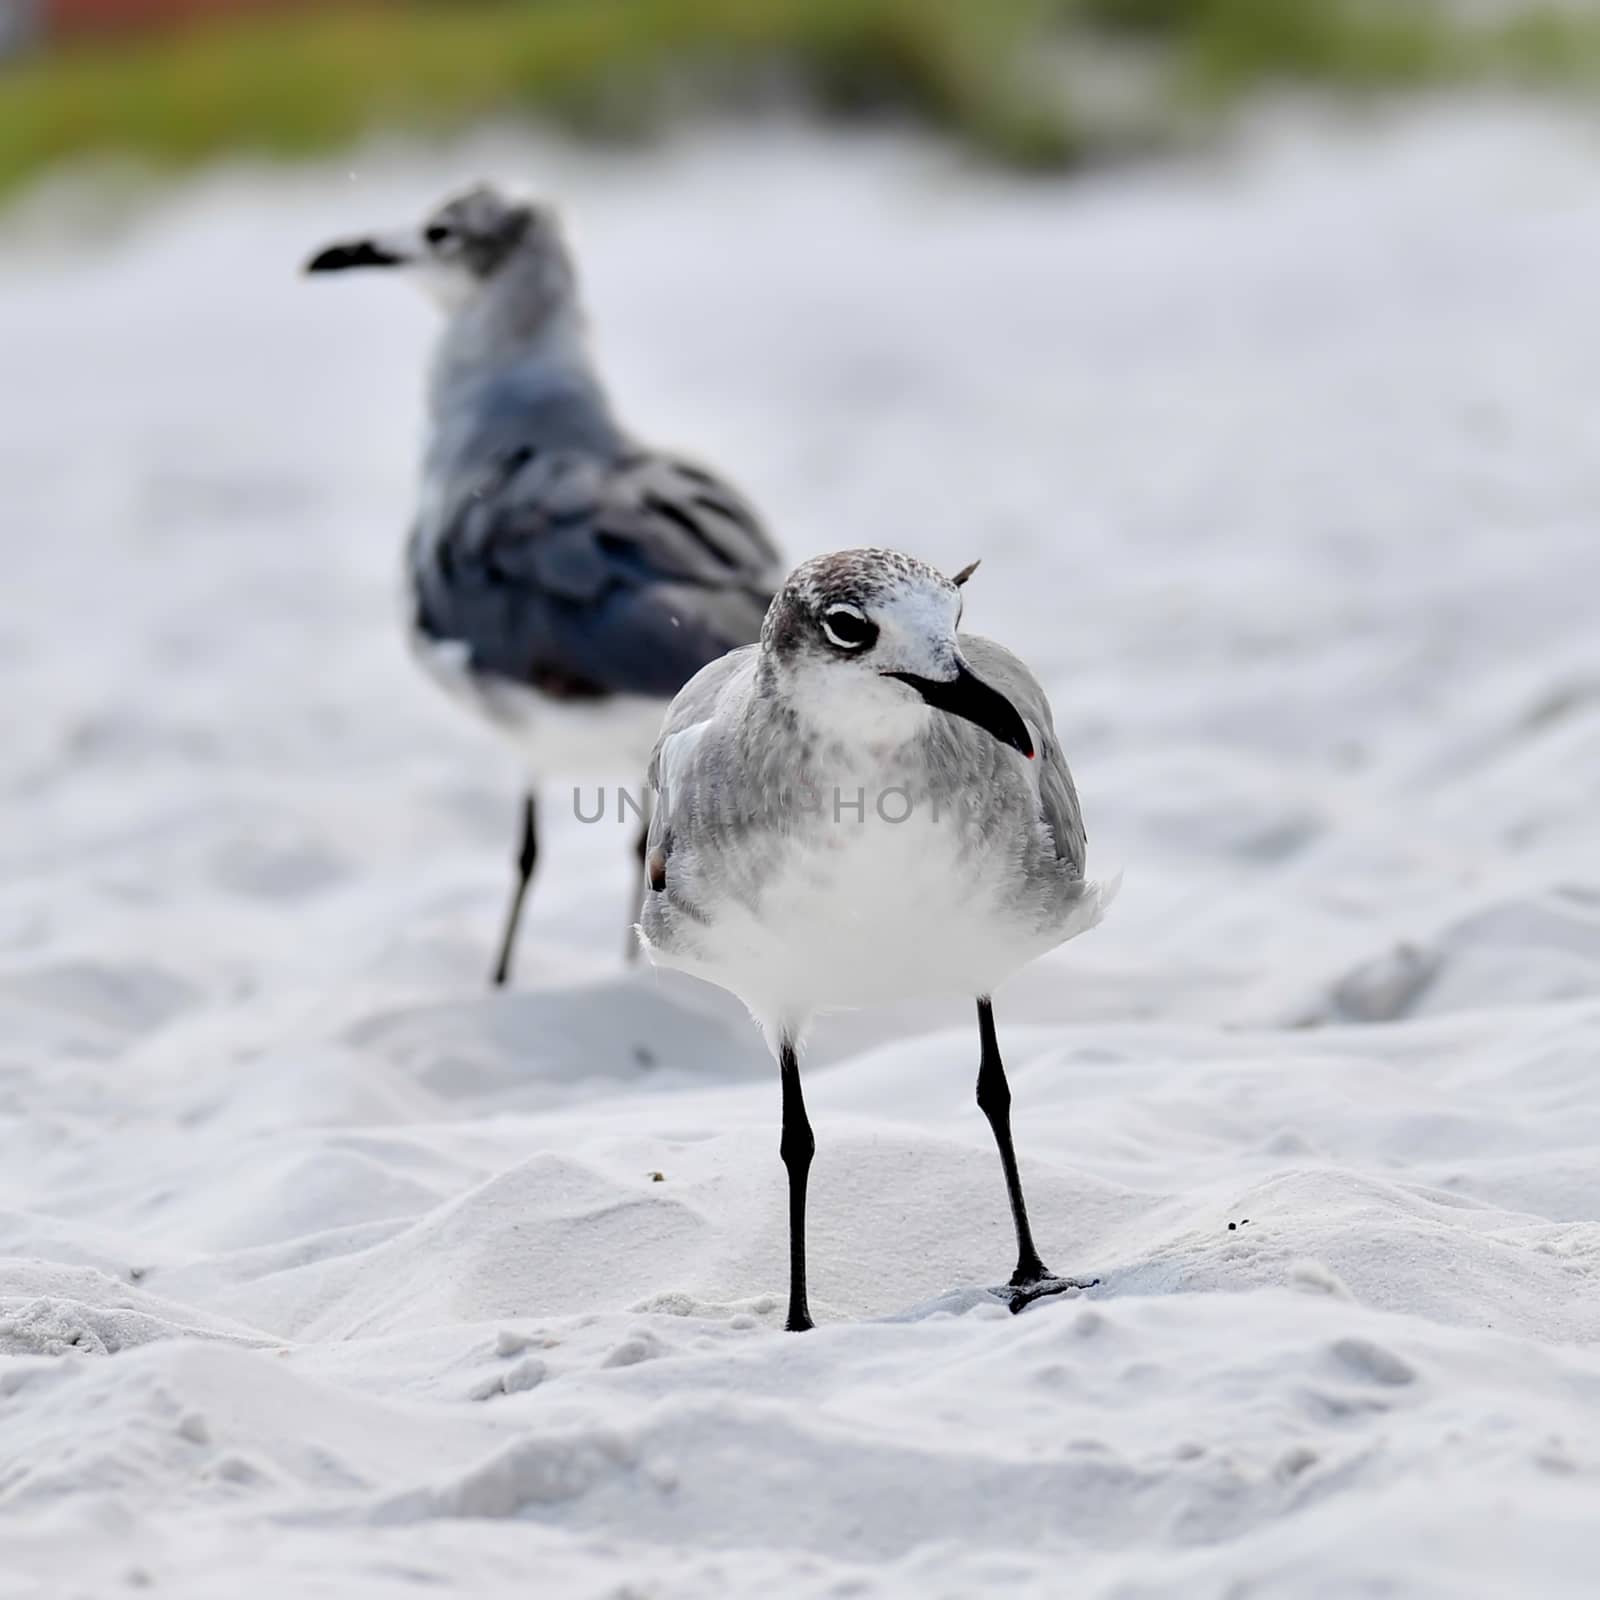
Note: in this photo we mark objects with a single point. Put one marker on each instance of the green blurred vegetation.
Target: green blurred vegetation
(1013, 79)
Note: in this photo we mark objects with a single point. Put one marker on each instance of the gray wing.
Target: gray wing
(587, 574)
(697, 700)
(680, 782)
(1058, 798)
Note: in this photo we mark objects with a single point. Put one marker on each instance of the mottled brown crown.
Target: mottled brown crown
(849, 577)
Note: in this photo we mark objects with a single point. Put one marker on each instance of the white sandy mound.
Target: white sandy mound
(325, 1271)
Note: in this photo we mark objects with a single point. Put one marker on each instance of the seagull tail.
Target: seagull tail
(1093, 901)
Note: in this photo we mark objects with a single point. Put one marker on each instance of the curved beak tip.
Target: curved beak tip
(969, 697)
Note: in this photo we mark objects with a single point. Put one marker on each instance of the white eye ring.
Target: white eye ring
(867, 635)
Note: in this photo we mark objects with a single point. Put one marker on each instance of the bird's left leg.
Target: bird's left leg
(630, 950)
(527, 859)
(1032, 1280)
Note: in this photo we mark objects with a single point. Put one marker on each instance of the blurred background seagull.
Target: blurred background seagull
(565, 579)
(866, 807)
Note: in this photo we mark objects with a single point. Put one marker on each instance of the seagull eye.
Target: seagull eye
(437, 233)
(847, 629)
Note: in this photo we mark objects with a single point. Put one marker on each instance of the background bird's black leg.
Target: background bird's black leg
(796, 1147)
(527, 857)
(630, 951)
(1031, 1280)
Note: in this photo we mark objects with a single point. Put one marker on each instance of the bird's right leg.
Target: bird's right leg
(1032, 1280)
(796, 1147)
(526, 858)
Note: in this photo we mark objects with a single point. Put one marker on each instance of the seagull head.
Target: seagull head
(476, 241)
(865, 642)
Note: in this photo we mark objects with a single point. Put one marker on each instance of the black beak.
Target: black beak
(970, 697)
(361, 253)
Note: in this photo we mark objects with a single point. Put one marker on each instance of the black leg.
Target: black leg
(796, 1147)
(1031, 1280)
(630, 951)
(994, 1101)
(527, 857)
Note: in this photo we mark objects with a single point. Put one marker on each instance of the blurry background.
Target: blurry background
(1252, 345)
(1043, 84)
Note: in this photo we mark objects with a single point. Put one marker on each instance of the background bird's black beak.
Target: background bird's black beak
(357, 253)
(970, 697)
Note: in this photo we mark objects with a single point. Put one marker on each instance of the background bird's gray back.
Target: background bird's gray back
(579, 573)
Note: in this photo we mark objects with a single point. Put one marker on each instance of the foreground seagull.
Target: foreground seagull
(565, 580)
(866, 806)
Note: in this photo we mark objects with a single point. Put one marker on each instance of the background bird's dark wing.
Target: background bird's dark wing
(585, 574)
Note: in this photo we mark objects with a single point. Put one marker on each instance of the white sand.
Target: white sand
(327, 1273)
